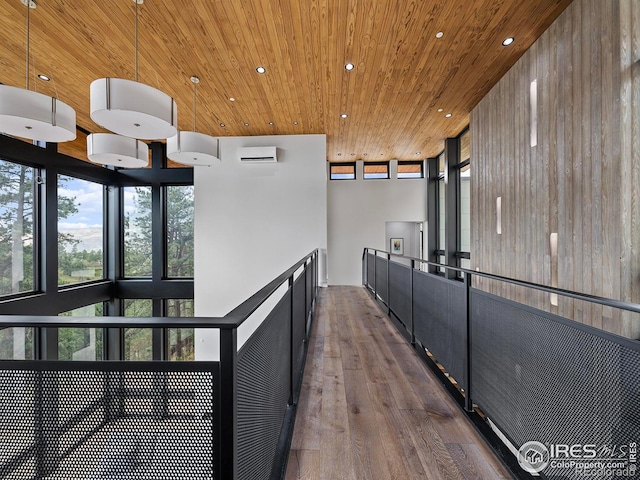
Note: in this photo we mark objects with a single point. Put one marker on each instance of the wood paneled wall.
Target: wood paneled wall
(581, 180)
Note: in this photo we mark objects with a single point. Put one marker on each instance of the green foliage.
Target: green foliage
(24, 339)
(180, 213)
(137, 235)
(16, 228)
(85, 343)
(17, 187)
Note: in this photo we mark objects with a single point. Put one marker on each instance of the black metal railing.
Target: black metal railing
(230, 418)
(536, 376)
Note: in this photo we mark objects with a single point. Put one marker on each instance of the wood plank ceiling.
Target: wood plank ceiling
(403, 74)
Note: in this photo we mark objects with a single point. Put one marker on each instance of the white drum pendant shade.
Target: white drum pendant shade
(33, 115)
(193, 148)
(110, 149)
(133, 109)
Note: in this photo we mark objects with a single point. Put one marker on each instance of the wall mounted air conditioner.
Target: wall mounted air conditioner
(257, 154)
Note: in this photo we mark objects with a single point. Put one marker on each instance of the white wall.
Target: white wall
(252, 222)
(357, 213)
(409, 232)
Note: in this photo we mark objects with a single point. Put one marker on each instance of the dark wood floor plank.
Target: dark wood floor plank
(401, 446)
(370, 409)
(369, 454)
(336, 455)
(303, 465)
(472, 462)
(306, 435)
(430, 447)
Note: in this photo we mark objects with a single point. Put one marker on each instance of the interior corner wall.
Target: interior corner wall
(253, 221)
(357, 213)
(567, 162)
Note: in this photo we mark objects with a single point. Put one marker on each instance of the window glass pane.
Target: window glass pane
(410, 170)
(342, 171)
(441, 261)
(180, 339)
(16, 228)
(465, 263)
(441, 214)
(180, 231)
(465, 209)
(16, 343)
(465, 147)
(138, 342)
(81, 343)
(137, 231)
(441, 163)
(80, 230)
(376, 170)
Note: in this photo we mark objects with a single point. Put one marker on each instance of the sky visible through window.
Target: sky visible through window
(88, 196)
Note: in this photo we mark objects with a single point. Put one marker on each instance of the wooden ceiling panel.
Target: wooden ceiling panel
(403, 73)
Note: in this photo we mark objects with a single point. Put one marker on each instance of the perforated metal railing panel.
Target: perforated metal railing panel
(371, 279)
(440, 321)
(263, 391)
(309, 285)
(69, 420)
(543, 378)
(298, 329)
(400, 292)
(381, 278)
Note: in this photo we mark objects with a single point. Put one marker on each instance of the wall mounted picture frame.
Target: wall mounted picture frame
(397, 246)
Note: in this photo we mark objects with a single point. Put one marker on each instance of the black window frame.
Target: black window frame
(47, 298)
(375, 164)
(410, 162)
(342, 164)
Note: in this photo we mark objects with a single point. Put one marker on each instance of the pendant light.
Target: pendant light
(33, 115)
(193, 148)
(116, 150)
(131, 108)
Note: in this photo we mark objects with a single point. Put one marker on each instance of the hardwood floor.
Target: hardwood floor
(369, 408)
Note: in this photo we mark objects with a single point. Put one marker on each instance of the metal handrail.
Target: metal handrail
(608, 302)
(231, 320)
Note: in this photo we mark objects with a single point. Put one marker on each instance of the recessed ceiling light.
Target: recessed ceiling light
(508, 41)
(261, 70)
(231, 99)
(352, 154)
(42, 76)
(246, 124)
(418, 153)
(270, 123)
(349, 66)
(344, 115)
(448, 115)
(222, 124)
(440, 109)
(339, 154)
(439, 34)
(365, 154)
(295, 123)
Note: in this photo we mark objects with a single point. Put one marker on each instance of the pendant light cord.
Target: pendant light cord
(28, 13)
(195, 84)
(136, 39)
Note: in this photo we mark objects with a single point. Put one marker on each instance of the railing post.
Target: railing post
(388, 286)
(468, 401)
(413, 266)
(228, 395)
(291, 349)
(375, 274)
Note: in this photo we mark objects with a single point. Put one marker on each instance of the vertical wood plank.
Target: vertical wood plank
(582, 178)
